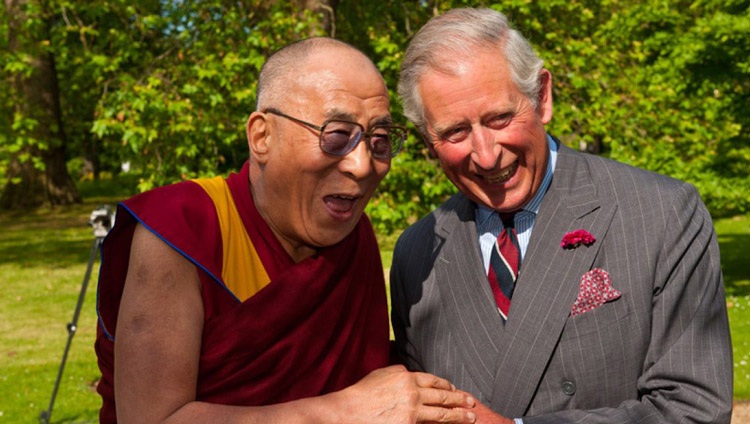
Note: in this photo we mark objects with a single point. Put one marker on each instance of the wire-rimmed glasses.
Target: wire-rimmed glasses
(339, 137)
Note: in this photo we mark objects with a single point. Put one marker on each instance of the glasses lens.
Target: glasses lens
(398, 135)
(338, 137)
(381, 142)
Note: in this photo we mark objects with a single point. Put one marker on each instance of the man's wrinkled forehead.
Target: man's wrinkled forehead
(327, 67)
(335, 78)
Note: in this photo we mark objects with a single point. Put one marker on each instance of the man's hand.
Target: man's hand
(487, 416)
(394, 395)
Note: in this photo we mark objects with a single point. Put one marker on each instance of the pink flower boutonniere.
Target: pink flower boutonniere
(576, 238)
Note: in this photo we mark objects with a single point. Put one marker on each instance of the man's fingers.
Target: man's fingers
(434, 414)
(445, 398)
(430, 381)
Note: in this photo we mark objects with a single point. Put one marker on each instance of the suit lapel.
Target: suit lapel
(465, 294)
(548, 282)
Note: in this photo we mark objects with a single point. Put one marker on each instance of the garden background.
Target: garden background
(102, 99)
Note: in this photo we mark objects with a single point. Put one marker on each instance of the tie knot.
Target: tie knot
(507, 219)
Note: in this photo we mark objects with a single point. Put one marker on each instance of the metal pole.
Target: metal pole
(72, 327)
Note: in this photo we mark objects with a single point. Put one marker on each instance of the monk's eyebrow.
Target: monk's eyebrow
(340, 115)
(383, 120)
(345, 116)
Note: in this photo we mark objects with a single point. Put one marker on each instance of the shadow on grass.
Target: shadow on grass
(735, 263)
(48, 252)
(47, 238)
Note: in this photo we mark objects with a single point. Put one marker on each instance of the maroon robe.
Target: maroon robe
(319, 325)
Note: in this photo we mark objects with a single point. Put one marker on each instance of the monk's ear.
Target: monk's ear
(258, 136)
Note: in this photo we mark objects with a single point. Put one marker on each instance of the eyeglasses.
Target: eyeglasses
(339, 137)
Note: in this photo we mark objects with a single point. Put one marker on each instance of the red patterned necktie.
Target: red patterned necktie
(505, 261)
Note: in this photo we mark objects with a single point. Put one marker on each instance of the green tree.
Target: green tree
(183, 114)
(692, 96)
(33, 129)
(167, 86)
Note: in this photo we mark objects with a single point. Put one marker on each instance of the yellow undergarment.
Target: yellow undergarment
(242, 270)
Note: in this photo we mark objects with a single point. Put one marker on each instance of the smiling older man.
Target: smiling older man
(556, 287)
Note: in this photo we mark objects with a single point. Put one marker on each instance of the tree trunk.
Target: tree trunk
(92, 158)
(38, 97)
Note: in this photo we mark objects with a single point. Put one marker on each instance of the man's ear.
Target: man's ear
(545, 96)
(258, 133)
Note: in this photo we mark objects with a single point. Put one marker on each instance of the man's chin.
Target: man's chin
(334, 235)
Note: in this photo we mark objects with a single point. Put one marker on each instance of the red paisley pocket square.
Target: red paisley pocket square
(595, 289)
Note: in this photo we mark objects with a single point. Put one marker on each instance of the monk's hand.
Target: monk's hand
(394, 395)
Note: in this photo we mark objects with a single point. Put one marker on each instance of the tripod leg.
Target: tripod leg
(72, 327)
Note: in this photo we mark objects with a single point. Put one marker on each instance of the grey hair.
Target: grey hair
(447, 38)
(286, 61)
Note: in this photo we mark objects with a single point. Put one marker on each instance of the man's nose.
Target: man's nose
(358, 162)
(485, 150)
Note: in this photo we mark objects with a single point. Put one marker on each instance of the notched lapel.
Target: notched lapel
(467, 299)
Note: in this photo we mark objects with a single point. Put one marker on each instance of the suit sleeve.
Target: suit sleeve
(400, 309)
(688, 370)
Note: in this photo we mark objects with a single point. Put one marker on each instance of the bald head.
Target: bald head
(309, 196)
(288, 65)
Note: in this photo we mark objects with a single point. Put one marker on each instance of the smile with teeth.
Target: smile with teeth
(502, 176)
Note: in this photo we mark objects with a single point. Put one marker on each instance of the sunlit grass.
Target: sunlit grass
(43, 258)
(734, 242)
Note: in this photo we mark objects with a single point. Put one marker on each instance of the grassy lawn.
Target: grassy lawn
(43, 258)
(734, 241)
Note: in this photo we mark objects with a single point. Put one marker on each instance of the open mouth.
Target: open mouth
(340, 204)
(502, 176)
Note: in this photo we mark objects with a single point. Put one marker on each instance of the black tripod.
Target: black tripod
(102, 219)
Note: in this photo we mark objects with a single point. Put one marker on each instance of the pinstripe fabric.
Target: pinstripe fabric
(659, 354)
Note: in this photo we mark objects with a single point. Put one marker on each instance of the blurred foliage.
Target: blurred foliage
(166, 86)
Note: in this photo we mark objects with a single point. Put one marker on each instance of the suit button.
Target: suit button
(568, 387)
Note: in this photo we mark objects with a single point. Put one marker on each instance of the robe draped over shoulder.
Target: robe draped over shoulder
(274, 330)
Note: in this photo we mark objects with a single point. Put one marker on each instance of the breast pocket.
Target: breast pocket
(601, 319)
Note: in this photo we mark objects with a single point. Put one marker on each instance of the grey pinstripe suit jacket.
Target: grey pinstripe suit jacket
(661, 353)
